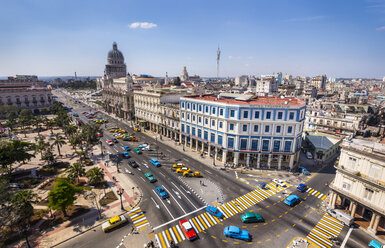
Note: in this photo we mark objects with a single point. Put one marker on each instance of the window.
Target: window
(352, 163)
(276, 146)
(254, 145)
(213, 123)
(188, 128)
(220, 124)
(244, 128)
(368, 193)
(182, 115)
(200, 108)
(245, 114)
(280, 115)
(291, 116)
(289, 129)
(243, 144)
(182, 104)
(221, 112)
(206, 134)
(287, 146)
(346, 186)
(278, 129)
(193, 106)
(265, 145)
(256, 115)
(200, 133)
(231, 126)
(188, 116)
(193, 117)
(256, 127)
(188, 105)
(213, 111)
(220, 140)
(207, 109)
(193, 131)
(375, 171)
(212, 137)
(230, 142)
(199, 119)
(232, 113)
(206, 121)
(268, 115)
(182, 127)
(267, 128)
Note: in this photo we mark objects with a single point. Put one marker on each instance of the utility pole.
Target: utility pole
(218, 59)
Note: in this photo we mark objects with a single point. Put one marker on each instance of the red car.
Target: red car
(100, 134)
(188, 229)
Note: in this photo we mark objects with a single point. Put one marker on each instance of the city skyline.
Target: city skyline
(298, 38)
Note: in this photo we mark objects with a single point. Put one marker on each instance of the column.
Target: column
(280, 161)
(248, 160)
(216, 153)
(236, 158)
(269, 161)
(203, 147)
(224, 156)
(196, 145)
(180, 138)
(333, 198)
(354, 208)
(375, 224)
(191, 143)
(209, 149)
(185, 141)
(370, 228)
(291, 162)
(259, 161)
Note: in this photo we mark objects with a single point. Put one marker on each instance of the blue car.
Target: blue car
(375, 244)
(291, 200)
(161, 192)
(236, 233)
(214, 211)
(126, 155)
(75, 114)
(302, 187)
(155, 162)
(262, 185)
(127, 148)
(303, 170)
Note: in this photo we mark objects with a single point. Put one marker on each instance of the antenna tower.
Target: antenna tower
(218, 59)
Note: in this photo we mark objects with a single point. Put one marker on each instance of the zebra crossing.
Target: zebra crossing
(327, 228)
(138, 219)
(316, 193)
(206, 220)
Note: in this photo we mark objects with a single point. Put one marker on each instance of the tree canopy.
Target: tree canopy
(63, 195)
(14, 151)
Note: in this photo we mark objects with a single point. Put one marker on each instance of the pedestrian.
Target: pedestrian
(200, 182)
(276, 185)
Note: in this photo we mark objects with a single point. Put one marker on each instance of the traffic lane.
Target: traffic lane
(322, 179)
(358, 238)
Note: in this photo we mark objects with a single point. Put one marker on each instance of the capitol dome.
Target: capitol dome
(115, 56)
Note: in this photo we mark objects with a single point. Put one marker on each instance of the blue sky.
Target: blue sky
(343, 38)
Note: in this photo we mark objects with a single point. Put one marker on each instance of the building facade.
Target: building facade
(319, 82)
(267, 85)
(244, 129)
(359, 185)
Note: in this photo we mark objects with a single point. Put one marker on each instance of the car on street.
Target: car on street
(375, 244)
(251, 217)
(113, 222)
(75, 114)
(214, 211)
(236, 233)
(115, 140)
(191, 174)
(100, 134)
(303, 170)
(150, 177)
(137, 150)
(262, 185)
(177, 165)
(279, 182)
(309, 155)
(302, 187)
(161, 192)
(143, 145)
(127, 148)
(126, 155)
(133, 164)
(291, 200)
(109, 142)
(155, 162)
(188, 230)
(84, 113)
(182, 170)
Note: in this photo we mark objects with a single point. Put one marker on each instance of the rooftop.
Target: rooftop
(250, 99)
(322, 142)
(367, 145)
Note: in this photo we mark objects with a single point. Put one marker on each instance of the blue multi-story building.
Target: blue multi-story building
(256, 131)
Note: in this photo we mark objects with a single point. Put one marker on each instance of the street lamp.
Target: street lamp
(120, 193)
(117, 166)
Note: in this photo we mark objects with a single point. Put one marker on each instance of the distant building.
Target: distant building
(184, 76)
(319, 82)
(241, 81)
(147, 79)
(267, 85)
(383, 79)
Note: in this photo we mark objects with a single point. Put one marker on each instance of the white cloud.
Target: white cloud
(306, 19)
(144, 25)
(381, 28)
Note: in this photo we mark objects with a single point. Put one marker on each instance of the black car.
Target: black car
(114, 140)
(133, 164)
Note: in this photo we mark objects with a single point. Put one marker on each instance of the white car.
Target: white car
(279, 182)
(113, 222)
(109, 142)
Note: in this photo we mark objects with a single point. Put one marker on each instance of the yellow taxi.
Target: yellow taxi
(182, 170)
(113, 222)
(191, 174)
(177, 165)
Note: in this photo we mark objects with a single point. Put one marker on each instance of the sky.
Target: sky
(339, 38)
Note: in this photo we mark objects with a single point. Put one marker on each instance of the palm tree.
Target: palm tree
(58, 141)
(95, 175)
(69, 130)
(76, 140)
(37, 121)
(41, 144)
(11, 121)
(82, 155)
(49, 124)
(77, 170)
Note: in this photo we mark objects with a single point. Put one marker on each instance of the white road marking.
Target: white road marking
(156, 205)
(146, 165)
(184, 195)
(188, 192)
(173, 235)
(163, 203)
(139, 169)
(142, 179)
(236, 174)
(162, 174)
(180, 217)
(165, 238)
(174, 198)
(208, 172)
(180, 232)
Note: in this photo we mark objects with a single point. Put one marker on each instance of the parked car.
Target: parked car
(279, 182)
(137, 151)
(161, 192)
(126, 155)
(302, 187)
(109, 142)
(155, 162)
(237, 233)
(251, 217)
(113, 222)
(309, 155)
(188, 230)
(133, 164)
(341, 216)
(127, 148)
(150, 177)
(375, 244)
(262, 185)
(177, 165)
(303, 170)
(191, 174)
(291, 200)
(100, 134)
(115, 140)
(182, 170)
(75, 114)
(214, 211)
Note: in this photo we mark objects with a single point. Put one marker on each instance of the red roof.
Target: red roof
(260, 100)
